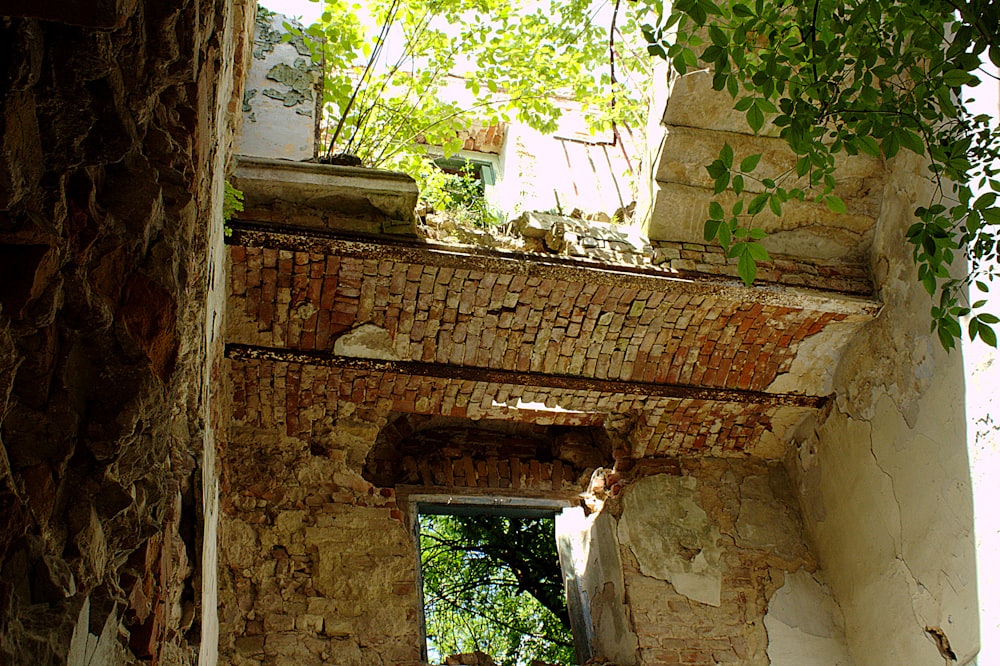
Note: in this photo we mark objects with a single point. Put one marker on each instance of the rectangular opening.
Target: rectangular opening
(491, 580)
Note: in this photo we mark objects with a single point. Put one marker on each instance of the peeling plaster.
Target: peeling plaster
(816, 361)
(805, 626)
(883, 475)
(671, 536)
(890, 511)
(366, 341)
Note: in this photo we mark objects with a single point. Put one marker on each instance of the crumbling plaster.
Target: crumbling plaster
(737, 524)
(883, 474)
(671, 537)
(804, 624)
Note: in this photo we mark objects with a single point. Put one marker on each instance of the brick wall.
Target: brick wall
(320, 564)
(303, 300)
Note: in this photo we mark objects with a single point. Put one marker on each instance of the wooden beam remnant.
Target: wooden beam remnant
(244, 352)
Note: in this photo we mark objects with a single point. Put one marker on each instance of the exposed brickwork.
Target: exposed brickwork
(484, 139)
(297, 398)
(454, 454)
(304, 300)
(320, 451)
(481, 139)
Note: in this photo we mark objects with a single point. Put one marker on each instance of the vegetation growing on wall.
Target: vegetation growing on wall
(845, 77)
(493, 583)
(461, 196)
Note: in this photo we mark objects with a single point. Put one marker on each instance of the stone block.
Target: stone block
(347, 198)
(250, 646)
(308, 622)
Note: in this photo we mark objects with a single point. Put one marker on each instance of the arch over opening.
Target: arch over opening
(455, 453)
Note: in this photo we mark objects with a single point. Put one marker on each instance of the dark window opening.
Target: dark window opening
(492, 582)
(477, 170)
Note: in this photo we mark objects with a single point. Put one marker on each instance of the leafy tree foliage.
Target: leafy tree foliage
(459, 195)
(844, 77)
(493, 583)
(392, 69)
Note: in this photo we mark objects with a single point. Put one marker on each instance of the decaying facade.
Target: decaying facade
(214, 443)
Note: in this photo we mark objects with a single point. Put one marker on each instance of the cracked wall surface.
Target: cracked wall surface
(693, 528)
(884, 475)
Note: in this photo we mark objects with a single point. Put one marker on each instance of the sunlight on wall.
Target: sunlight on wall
(982, 374)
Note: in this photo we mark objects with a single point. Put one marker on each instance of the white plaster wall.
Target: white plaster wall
(982, 375)
(804, 624)
(238, 17)
(884, 474)
(269, 128)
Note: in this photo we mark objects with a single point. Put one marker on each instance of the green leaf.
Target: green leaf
(717, 36)
(738, 184)
(835, 204)
(724, 236)
(755, 118)
(757, 203)
(712, 229)
(985, 201)
(930, 284)
(715, 211)
(868, 145)
(732, 86)
(721, 183)
(716, 169)
(726, 156)
(956, 78)
(749, 163)
(987, 334)
(758, 252)
(747, 268)
(910, 140)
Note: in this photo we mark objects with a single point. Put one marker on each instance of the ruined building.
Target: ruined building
(214, 445)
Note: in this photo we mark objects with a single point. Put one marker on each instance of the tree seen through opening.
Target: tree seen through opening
(493, 583)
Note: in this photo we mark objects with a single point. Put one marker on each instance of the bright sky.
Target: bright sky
(305, 10)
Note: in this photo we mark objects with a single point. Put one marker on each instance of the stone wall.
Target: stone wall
(318, 565)
(117, 122)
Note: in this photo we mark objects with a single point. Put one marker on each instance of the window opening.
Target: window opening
(478, 170)
(492, 582)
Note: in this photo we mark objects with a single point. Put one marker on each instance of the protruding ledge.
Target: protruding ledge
(258, 234)
(337, 197)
